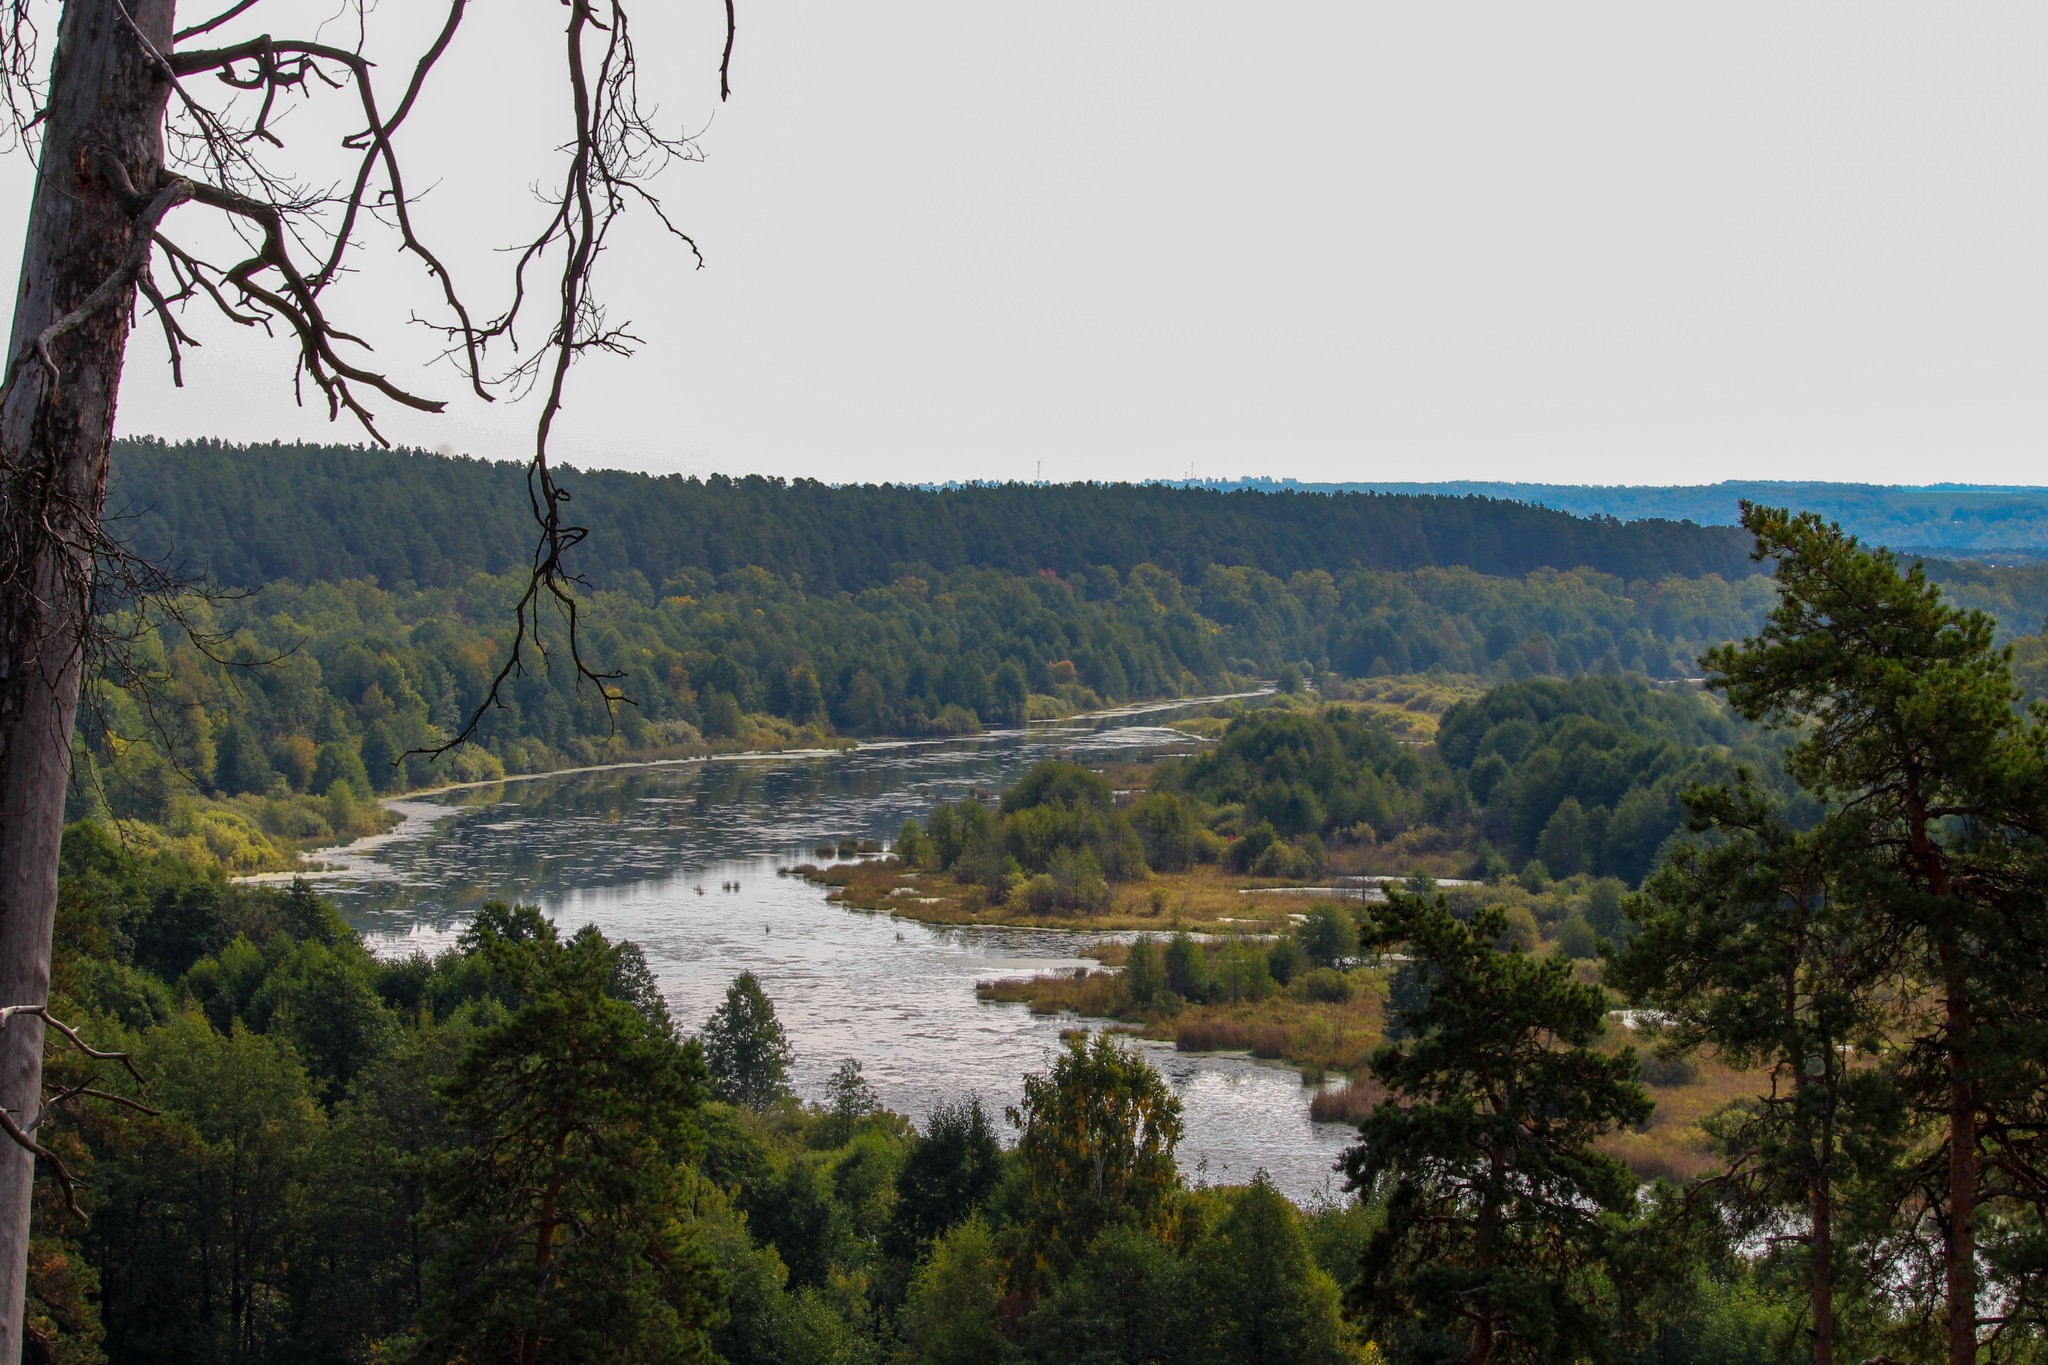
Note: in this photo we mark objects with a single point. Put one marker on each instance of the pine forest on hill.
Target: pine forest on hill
(753, 613)
(251, 515)
(1953, 520)
(347, 1157)
(489, 911)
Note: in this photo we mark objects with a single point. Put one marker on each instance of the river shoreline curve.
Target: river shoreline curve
(398, 803)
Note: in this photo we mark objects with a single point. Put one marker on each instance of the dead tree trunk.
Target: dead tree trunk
(105, 111)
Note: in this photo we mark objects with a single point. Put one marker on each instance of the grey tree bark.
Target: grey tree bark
(106, 108)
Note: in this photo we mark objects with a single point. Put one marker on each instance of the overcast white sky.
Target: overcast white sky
(1601, 242)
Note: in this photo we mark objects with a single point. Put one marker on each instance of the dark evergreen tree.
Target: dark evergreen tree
(1259, 1298)
(745, 1048)
(949, 1173)
(1126, 1302)
(848, 1099)
(1906, 723)
(1498, 1211)
(565, 1204)
(1762, 943)
(239, 763)
(1329, 935)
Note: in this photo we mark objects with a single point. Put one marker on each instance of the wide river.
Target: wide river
(645, 852)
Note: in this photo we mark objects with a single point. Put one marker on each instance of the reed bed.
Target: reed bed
(1203, 899)
(1222, 1033)
(1347, 1102)
(1317, 1037)
(1096, 994)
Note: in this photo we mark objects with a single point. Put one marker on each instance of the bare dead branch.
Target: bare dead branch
(175, 336)
(616, 150)
(23, 1138)
(91, 1092)
(109, 293)
(23, 1135)
(21, 70)
(233, 11)
(42, 1012)
(725, 62)
(298, 241)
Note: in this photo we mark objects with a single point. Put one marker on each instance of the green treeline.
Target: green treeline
(1941, 519)
(1590, 775)
(1580, 776)
(1056, 843)
(511, 1151)
(1542, 778)
(386, 593)
(346, 679)
(252, 515)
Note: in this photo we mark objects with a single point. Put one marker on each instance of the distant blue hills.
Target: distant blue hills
(1949, 519)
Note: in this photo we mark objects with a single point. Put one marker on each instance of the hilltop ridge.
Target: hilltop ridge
(250, 515)
(1950, 519)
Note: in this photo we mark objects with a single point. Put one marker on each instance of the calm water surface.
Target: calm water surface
(629, 849)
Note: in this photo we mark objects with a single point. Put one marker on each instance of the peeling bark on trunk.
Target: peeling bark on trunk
(106, 99)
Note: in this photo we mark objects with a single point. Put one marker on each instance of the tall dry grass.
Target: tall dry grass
(1096, 994)
(1347, 1102)
(1223, 1033)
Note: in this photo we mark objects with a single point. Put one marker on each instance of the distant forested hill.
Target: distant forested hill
(753, 611)
(260, 514)
(1948, 519)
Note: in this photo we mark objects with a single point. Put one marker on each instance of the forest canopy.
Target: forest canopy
(1553, 779)
(251, 515)
(758, 613)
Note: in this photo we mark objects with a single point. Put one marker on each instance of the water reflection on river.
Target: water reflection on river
(628, 850)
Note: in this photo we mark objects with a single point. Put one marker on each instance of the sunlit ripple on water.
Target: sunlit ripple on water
(627, 849)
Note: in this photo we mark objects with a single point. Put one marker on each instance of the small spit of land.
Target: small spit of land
(1325, 1021)
(1259, 954)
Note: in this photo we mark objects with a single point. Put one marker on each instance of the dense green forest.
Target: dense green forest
(350, 677)
(512, 1151)
(1939, 519)
(346, 680)
(428, 1159)
(1541, 778)
(1849, 931)
(352, 1159)
(755, 613)
(251, 515)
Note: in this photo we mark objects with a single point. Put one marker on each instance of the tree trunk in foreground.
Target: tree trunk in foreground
(106, 100)
(1822, 1278)
(1962, 1174)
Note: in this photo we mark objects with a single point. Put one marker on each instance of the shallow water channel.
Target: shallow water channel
(628, 850)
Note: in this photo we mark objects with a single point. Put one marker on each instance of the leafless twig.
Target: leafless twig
(298, 240)
(23, 1134)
